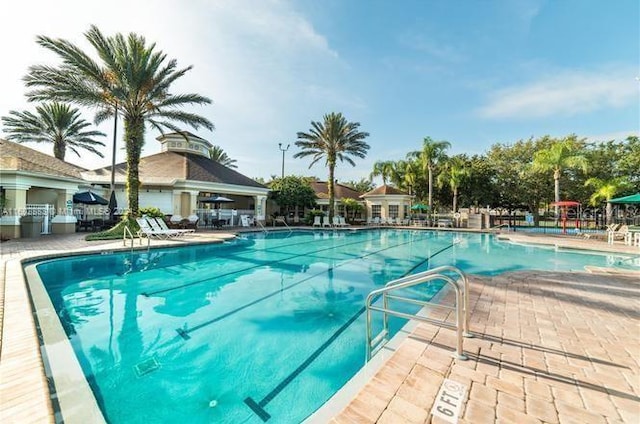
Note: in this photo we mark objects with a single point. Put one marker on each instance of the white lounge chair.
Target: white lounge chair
(316, 221)
(161, 225)
(343, 222)
(325, 222)
(336, 221)
(147, 231)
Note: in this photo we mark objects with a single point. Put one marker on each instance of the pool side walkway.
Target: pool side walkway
(551, 347)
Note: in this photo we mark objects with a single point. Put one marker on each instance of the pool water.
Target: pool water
(267, 327)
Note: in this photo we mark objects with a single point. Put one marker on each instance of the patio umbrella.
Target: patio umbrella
(419, 206)
(633, 199)
(217, 199)
(113, 205)
(88, 198)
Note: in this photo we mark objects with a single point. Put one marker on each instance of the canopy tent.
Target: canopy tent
(419, 206)
(633, 199)
(88, 198)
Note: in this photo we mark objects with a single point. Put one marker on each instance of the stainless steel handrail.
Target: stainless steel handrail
(440, 270)
(284, 222)
(461, 307)
(497, 227)
(259, 224)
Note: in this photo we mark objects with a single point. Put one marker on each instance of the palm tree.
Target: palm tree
(55, 123)
(216, 154)
(334, 139)
(561, 155)
(132, 78)
(431, 154)
(453, 174)
(384, 169)
(606, 190)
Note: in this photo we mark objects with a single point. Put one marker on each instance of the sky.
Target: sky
(474, 73)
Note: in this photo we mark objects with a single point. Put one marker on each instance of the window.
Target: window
(393, 211)
(406, 211)
(375, 211)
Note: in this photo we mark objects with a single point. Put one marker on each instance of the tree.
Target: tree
(515, 181)
(561, 155)
(453, 175)
(55, 123)
(606, 190)
(333, 139)
(132, 77)
(362, 186)
(216, 154)
(384, 169)
(351, 205)
(431, 154)
(292, 191)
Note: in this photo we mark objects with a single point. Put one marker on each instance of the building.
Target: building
(387, 202)
(340, 192)
(179, 181)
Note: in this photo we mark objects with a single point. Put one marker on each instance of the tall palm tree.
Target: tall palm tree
(562, 154)
(606, 190)
(384, 169)
(333, 139)
(131, 77)
(431, 154)
(55, 123)
(454, 173)
(216, 154)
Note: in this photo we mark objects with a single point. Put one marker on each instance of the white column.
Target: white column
(16, 205)
(261, 205)
(64, 222)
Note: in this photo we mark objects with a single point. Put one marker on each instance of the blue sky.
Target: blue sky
(470, 72)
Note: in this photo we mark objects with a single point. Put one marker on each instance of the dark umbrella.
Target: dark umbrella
(88, 198)
(113, 205)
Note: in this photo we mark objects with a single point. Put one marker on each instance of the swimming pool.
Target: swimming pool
(265, 327)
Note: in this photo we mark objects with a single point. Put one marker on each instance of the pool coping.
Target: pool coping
(23, 382)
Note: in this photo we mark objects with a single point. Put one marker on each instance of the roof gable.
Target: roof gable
(16, 157)
(340, 191)
(385, 190)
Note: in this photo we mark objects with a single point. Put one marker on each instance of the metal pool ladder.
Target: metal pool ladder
(461, 308)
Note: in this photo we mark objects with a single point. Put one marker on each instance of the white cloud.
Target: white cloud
(566, 93)
(256, 60)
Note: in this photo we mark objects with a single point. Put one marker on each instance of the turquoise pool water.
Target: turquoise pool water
(263, 328)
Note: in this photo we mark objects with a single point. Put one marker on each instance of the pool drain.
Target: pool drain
(213, 403)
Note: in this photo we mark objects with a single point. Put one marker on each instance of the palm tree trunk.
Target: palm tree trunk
(430, 171)
(455, 199)
(133, 140)
(59, 149)
(609, 213)
(332, 166)
(556, 191)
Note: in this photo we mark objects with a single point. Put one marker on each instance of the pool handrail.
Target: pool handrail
(374, 344)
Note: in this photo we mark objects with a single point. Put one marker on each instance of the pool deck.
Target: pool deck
(549, 346)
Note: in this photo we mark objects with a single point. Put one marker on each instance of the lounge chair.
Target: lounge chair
(336, 221)
(147, 231)
(246, 221)
(343, 222)
(325, 222)
(316, 221)
(162, 225)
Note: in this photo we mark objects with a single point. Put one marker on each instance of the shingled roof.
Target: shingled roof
(16, 157)
(167, 167)
(340, 191)
(384, 190)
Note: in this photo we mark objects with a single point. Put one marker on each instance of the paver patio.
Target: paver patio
(549, 347)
